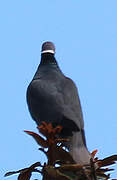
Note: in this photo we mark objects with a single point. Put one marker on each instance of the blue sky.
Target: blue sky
(85, 35)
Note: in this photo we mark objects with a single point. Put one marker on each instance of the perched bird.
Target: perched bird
(53, 97)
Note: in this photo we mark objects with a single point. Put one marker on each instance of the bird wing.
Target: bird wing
(72, 106)
(55, 98)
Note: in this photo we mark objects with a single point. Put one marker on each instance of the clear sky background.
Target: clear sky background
(85, 35)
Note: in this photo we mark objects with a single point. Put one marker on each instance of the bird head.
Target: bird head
(48, 47)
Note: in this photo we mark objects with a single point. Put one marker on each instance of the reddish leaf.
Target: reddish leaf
(71, 167)
(42, 142)
(103, 164)
(25, 175)
(94, 153)
(107, 161)
(62, 140)
(15, 172)
(47, 129)
(103, 170)
(37, 164)
(26, 172)
(102, 175)
(54, 173)
(57, 129)
(110, 158)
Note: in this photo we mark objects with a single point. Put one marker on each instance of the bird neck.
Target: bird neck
(48, 62)
(48, 59)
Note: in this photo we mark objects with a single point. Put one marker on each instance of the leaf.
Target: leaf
(15, 172)
(101, 175)
(58, 129)
(61, 140)
(71, 167)
(37, 164)
(25, 175)
(103, 170)
(110, 158)
(10, 173)
(48, 130)
(42, 142)
(56, 174)
(94, 153)
(107, 161)
(26, 172)
(59, 154)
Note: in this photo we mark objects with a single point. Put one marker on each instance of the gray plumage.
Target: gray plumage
(53, 97)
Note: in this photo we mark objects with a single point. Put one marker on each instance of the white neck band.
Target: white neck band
(48, 51)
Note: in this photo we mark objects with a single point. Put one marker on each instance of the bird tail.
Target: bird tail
(77, 148)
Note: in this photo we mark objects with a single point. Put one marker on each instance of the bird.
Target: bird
(52, 97)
